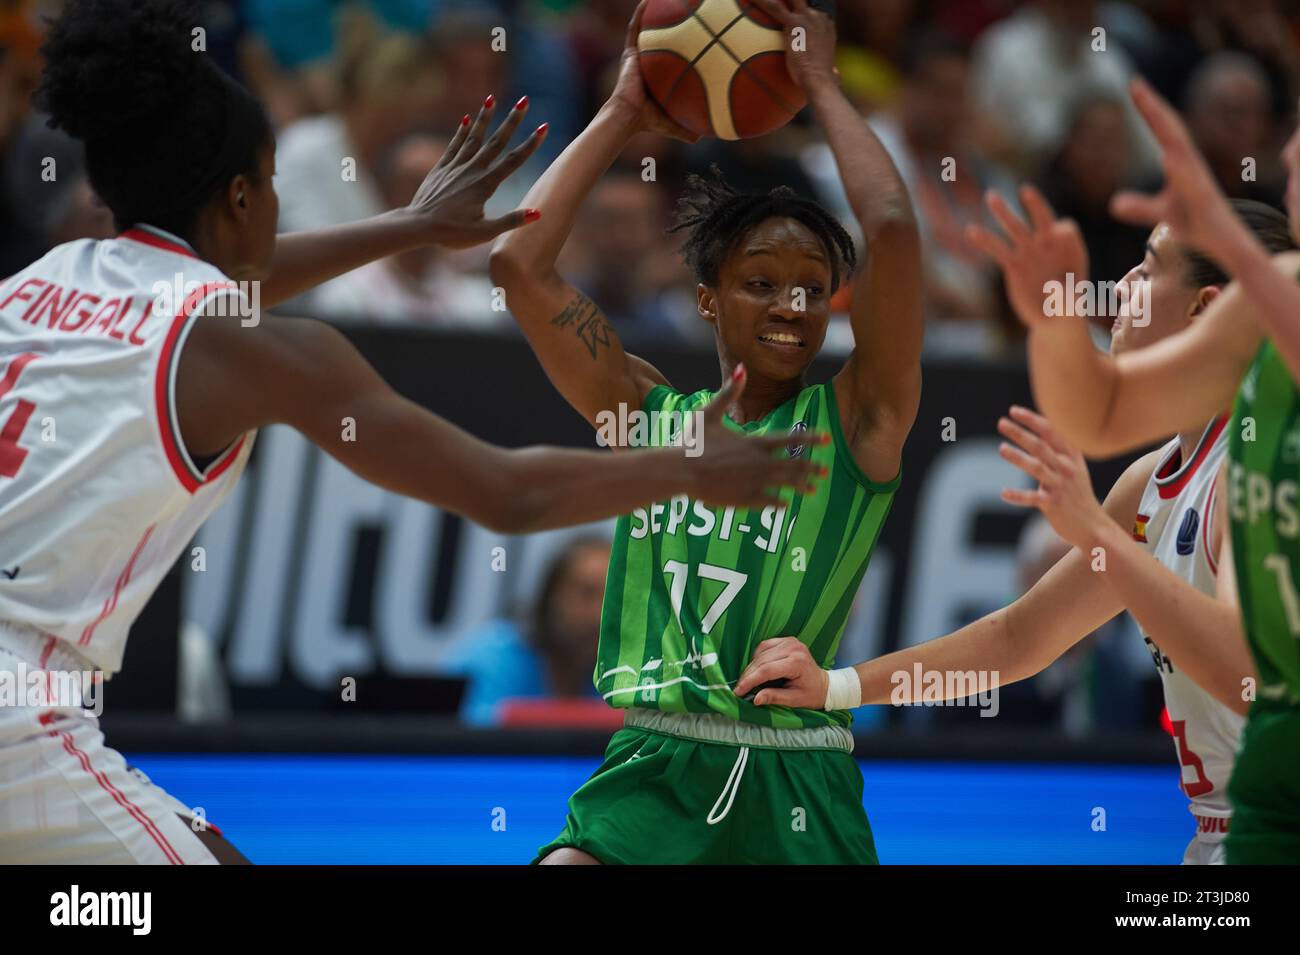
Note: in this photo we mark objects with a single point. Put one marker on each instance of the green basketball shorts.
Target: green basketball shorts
(1265, 789)
(702, 788)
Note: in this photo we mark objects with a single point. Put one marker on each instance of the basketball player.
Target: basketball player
(125, 425)
(699, 773)
(1245, 350)
(1164, 505)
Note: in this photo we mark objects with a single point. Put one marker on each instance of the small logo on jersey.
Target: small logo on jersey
(1140, 528)
(1186, 541)
(796, 450)
(11, 574)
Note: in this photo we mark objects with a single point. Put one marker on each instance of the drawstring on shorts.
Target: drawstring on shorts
(731, 787)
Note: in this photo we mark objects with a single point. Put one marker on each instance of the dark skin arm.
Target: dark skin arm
(306, 374)
(447, 210)
(879, 388)
(576, 344)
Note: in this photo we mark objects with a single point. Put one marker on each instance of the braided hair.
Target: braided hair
(715, 217)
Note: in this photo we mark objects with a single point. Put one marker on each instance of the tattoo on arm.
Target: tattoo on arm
(587, 322)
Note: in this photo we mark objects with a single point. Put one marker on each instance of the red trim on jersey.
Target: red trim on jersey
(167, 428)
(158, 242)
(110, 602)
(1174, 488)
(44, 659)
(1205, 529)
(119, 797)
(15, 368)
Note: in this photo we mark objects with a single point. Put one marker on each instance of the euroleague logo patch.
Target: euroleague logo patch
(796, 450)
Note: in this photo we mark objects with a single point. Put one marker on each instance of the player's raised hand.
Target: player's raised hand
(786, 659)
(813, 58)
(630, 92)
(1031, 254)
(1064, 492)
(1191, 201)
(737, 469)
(450, 200)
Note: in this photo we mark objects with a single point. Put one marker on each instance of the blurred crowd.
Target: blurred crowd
(967, 95)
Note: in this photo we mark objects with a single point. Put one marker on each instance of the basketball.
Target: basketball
(717, 67)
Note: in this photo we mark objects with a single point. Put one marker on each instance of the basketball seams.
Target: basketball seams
(715, 39)
(760, 82)
(759, 85)
(719, 39)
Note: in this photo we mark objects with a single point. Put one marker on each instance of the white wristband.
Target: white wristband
(843, 689)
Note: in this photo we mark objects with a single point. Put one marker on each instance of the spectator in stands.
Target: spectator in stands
(1027, 69)
(1228, 114)
(618, 256)
(928, 137)
(1080, 180)
(1258, 29)
(551, 654)
(292, 48)
(871, 41)
(19, 70)
(325, 165)
(427, 286)
(46, 188)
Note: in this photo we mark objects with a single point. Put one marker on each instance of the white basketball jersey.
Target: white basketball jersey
(1174, 522)
(98, 495)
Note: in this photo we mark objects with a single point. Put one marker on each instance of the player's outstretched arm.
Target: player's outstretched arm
(1013, 643)
(446, 210)
(1201, 634)
(578, 348)
(1104, 405)
(1199, 216)
(882, 378)
(307, 375)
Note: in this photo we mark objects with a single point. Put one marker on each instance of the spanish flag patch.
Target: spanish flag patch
(1140, 528)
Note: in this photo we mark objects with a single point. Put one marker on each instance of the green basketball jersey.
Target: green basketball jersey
(1264, 464)
(692, 590)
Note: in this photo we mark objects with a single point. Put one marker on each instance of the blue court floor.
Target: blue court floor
(491, 809)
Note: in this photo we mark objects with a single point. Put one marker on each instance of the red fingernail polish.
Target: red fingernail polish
(523, 101)
(738, 373)
(487, 103)
(465, 121)
(541, 130)
(532, 215)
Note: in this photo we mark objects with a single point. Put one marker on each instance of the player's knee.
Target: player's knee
(569, 856)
